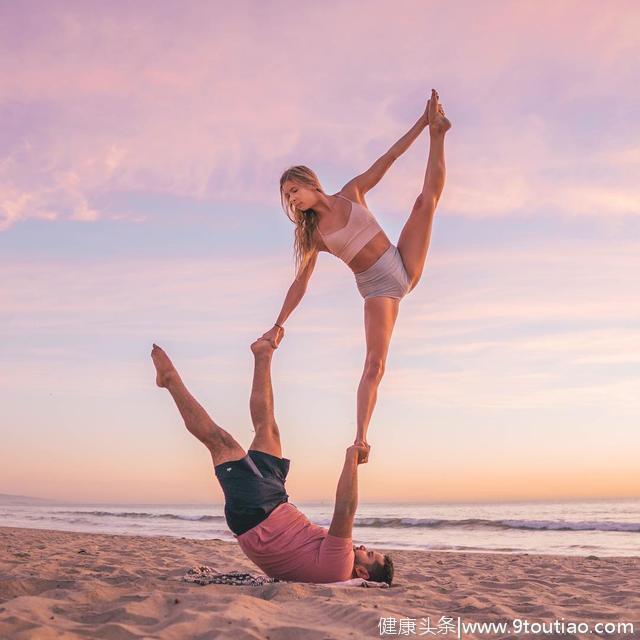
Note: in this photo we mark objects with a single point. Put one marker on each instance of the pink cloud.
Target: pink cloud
(212, 104)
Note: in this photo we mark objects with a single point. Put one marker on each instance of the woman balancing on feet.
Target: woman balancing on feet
(343, 225)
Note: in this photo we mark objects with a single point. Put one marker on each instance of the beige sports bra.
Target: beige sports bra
(361, 227)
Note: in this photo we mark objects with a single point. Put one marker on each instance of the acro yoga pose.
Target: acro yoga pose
(343, 225)
(271, 531)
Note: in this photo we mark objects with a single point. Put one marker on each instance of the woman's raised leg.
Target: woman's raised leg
(413, 243)
(380, 315)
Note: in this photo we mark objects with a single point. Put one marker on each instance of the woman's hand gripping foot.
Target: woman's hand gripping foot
(438, 122)
(274, 335)
(262, 346)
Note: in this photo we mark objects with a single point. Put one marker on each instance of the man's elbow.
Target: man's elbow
(346, 509)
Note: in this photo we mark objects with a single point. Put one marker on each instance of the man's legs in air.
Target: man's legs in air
(267, 438)
(221, 445)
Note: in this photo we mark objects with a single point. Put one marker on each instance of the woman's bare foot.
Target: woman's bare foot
(367, 448)
(262, 346)
(438, 122)
(166, 372)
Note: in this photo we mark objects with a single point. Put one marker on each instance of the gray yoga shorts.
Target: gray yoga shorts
(385, 277)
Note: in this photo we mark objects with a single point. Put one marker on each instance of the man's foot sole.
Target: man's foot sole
(165, 371)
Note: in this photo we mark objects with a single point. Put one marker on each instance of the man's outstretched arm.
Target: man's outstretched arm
(347, 493)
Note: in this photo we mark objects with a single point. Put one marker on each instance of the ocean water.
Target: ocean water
(602, 528)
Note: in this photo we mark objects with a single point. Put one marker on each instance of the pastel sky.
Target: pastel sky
(140, 150)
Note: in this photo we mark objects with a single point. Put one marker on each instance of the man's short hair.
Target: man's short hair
(382, 572)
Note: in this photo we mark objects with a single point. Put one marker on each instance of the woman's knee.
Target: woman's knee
(426, 202)
(374, 368)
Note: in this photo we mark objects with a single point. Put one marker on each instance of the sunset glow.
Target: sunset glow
(139, 165)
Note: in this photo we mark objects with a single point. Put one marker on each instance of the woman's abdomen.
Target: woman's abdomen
(371, 251)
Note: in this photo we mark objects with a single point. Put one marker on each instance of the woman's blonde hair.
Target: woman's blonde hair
(305, 221)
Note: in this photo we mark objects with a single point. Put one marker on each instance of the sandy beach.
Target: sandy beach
(56, 584)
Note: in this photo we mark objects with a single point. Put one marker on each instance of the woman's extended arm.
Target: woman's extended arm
(370, 178)
(408, 138)
(294, 295)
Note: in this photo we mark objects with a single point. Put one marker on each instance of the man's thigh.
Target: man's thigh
(225, 450)
(267, 440)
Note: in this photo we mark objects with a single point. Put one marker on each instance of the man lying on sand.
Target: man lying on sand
(273, 533)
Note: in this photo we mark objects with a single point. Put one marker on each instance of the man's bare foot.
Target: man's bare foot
(438, 122)
(274, 335)
(262, 346)
(166, 372)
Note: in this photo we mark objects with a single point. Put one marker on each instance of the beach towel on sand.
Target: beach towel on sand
(206, 575)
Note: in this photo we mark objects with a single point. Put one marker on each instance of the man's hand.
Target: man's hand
(347, 493)
(274, 336)
(359, 452)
